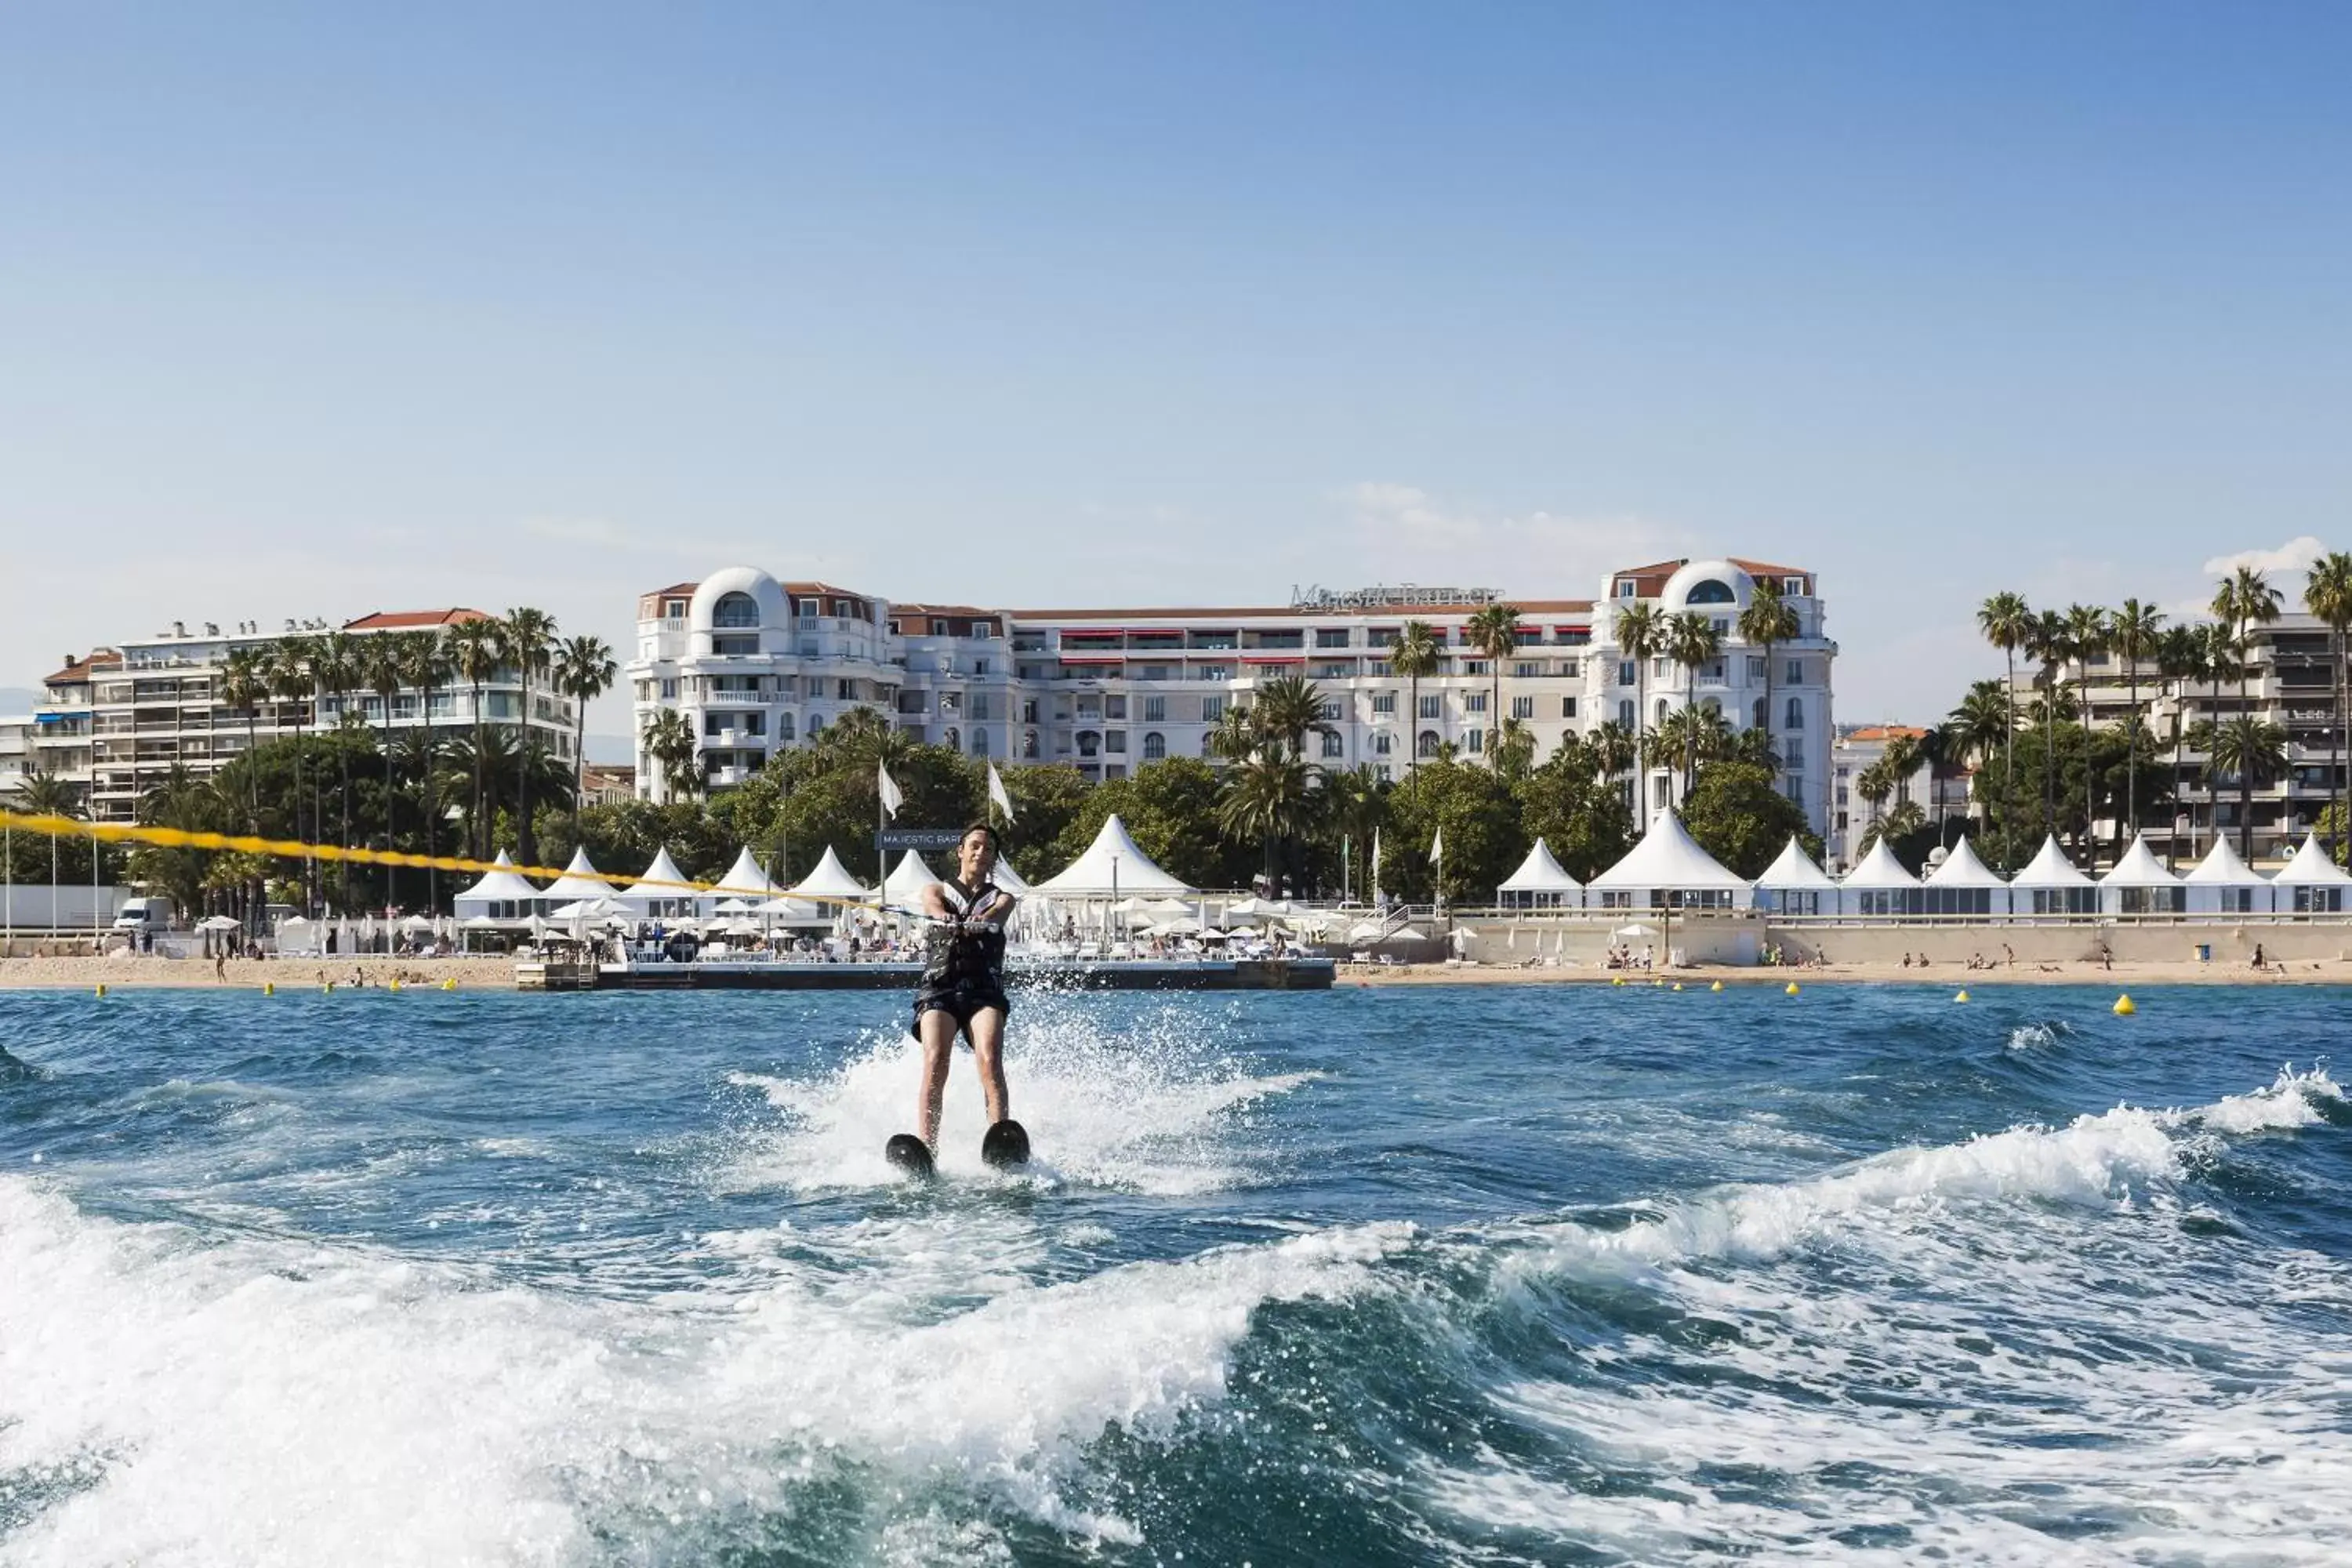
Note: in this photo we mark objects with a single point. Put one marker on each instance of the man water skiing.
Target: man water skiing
(962, 989)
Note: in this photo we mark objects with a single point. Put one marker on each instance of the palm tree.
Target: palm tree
(1691, 642)
(2049, 644)
(1412, 656)
(290, 680)
(2327, 594)
(339, 675)
(385, 672)
(670, 746)
(1613, 749)
(2086, 637)
(472, 648)
(1289, 709)
(1766, 622)
(2246, 599)
(2180, 658)
(1980, 724)
(424, 665)
(1513, 750)
(2254, 749)
(244, 682)
(1902, 757)
(1234, 736)
(525, 636)
(1873, 784)
(2134, 634)
(1268, 795)
(2007, 623)
(42, 794)
(1354, 802)
(1494, 633)
(1640, 629)
(585, 670)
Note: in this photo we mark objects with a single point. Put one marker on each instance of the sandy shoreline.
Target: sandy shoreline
(121, 973)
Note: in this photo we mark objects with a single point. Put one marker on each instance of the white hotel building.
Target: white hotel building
(757, 665)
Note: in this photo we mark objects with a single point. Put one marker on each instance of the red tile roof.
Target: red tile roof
(389, 620)
(80, 669)
(1884, 732)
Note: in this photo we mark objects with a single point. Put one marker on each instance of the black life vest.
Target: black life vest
(959, 952)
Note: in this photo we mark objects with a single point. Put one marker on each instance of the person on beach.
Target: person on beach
(962, 987)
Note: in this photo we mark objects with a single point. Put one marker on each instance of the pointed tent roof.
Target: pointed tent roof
(1794, 868)
(503, 881)
(1962, 868)
(1113, 853)
(2138, 869)
(2221, 867)
(908, 880)
(1006, 878)
(663, 870)
(2310, 867)
(1668, 856)
(1539, 873)
(2050, 869)
(1880, 869)
(745, 880)
(831, 879)
(579, 881)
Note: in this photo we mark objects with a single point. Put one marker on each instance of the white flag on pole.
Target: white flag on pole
(1437, 847)
(1376, 859)
(891, 799)
(998, 793)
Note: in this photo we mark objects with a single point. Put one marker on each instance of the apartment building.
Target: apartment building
(756, 664)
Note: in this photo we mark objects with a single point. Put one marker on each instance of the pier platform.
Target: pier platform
(1108, 975)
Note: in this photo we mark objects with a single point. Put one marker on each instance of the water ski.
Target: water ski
(1006, 1144)
(910, 1154)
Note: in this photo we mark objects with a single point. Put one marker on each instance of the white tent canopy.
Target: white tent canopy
(2222, 884)
(2138, 869)
(579, 881)
(1880, 869)
(653, 892)
(746, 880)
(1005, 877)
(1541, 876)
(2311, 867)
(1668, 860)
(503, 882)
(2050, 869)
(831, 880)
(1794, 869)
(1112, 868)
(1962, 868)
(905, 884)
(796, 912)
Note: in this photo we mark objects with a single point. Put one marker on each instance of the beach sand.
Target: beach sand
(123, 970)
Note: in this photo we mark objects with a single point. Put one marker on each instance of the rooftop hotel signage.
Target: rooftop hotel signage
(1385, 595)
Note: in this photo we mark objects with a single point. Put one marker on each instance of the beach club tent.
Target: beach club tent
(2310, 883)
(1112, 868)
(2050, 885)
(745, 880)
(1006, 878)
(1880, 886)
(905, 884)
(1965, 885)
(2139, 885)
(1668, 868)
(656, 897)
(1541, 883)
(503, 898)
(2222, 884)
(1794, 885)
(830, 885)
(579, 881)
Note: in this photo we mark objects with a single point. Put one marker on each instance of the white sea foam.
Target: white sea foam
(270, 1402)
(1144, 1109)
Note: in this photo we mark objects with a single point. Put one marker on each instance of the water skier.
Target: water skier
(962, 991)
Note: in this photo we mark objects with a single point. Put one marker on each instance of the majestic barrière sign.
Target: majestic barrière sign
(1385, 595)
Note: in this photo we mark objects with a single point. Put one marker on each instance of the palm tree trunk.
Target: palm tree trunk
(391, 833)
(2245, 775)
(2131, 758)
(579, 759)
(1767, 699)
(2090, 806)
(1412, 728)
(432, 805)
(522, 771)
(476, 833)
(344, 759)
(2007, 768)
(2336, 738)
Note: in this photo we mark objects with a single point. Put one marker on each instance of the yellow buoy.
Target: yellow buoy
(1961, 997)
(1655, 984)
(1616, 980)
(270, 988)
(395, 982)
(1716, 986)
(327, 986)
(1678, 984)
(448, 986)
(1792, 989)
(101, 990)
(2124, 1008)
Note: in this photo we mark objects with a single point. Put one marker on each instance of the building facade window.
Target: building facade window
(1568, 707)
(1211, 709)
(1796, 675)
(1155, 710)
(1380, 742)
(1384, 702)
(1626, 674)
(738, 610)
(1332, 746)
(1433, 706)
(1155, 745)
(1427, 745)
(1757, 715)
(1625, 713)
(1523, 707)
(1474, 702)
(1475, 740)
(1795, 717)
(1114, 742)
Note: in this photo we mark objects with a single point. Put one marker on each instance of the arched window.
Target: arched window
(735, 610)
(817, 725)
(1427, 744)
(1760, 717)
(1624, 712)
(1711, 708)
(1155, 745)
(1029, 745)
(1796, 716)
(954, 738)
(785, 727)
(1089, 742)
(1711, 591)
(980, 742)
(1663, 709)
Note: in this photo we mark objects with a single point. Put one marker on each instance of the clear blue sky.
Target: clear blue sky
(309, 310)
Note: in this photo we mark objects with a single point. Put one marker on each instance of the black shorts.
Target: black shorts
(960, 1002)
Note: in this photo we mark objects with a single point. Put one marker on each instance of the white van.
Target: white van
(151, 914)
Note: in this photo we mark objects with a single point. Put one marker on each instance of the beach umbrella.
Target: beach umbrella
(734, 907)
(1633, 930)
(217, 923)
(588, 910)
(416, 922)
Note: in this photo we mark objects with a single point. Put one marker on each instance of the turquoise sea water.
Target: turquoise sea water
(1487, 1275)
